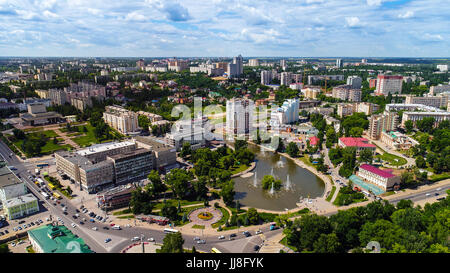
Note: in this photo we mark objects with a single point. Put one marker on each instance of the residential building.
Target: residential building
(434, 90)
(397, 140)
(287, 113)
(56, 239)
(388, 121)
(367, 108)
(286, 78)
(354, 81)
(266, 77)
(117, 197)
(359, 143)
(311, 92)
(253, 62)
(122, 120)
(442, 67)
(346, 109)
(178, 65)
(315, 78)
(81, 103)
(434, 101)
(339, 63)
(239, 116)
(415, 116)
(347, 93)
(387, 84)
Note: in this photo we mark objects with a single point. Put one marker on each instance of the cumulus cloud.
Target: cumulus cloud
(406, 15)
(352, 21)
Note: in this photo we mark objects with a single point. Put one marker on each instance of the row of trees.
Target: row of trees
(399, 229)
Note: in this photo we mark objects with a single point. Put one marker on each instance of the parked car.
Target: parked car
(151, 239)
(196, 238)
(256, 248)
(201, 242)
(258, 231)
(108, 240)
(221, 237)
(94, 228)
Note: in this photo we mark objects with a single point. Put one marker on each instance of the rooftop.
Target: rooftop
(7, 178)
(20, 200)
(104, 147)
(356, 142)
(58, 239)
(376, 171)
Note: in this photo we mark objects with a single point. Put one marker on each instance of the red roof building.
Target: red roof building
(314, 141)
(359, 143)
(381, 178)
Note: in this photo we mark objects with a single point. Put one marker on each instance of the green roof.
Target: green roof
(58, 239)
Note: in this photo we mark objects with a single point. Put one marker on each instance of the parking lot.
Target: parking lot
(24, 224)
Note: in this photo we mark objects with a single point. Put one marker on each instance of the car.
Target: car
(1, 233)
(6, 231)
(58, 218)
(65, 212)
(77, 210)
(94, 228)
(73, 225)
(256, 248)
(81, 223)
(151, 239)
(196, 238)
(15, 229)
(112, 224)
(19, 227)
(62, 222)
(221, 237)
(91, 220)
(233, 235)
(436, 194)
(24, 226)
(107, 228)
(40, 221)
(74, 217)
(258, 231)
(13, 244)
(134, 239)
(21, 222)
(108, 240)
(427, 194)
(201, 242)
(32, 223)
(37, 223)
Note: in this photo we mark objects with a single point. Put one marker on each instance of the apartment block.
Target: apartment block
(347, 93)
(122, 120)
(434, 101)
(387, 84)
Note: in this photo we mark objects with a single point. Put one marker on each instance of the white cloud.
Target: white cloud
(352, 21)
(50, 14)
(135, 16)
(406, 15)
(374, 2)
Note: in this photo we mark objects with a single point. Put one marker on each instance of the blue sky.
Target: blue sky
(156, 28)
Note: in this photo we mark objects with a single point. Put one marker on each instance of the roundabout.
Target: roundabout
(205, 216)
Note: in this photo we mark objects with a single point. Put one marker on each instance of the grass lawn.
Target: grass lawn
(305, 160)
(393, 159)
(126, 217)
(121, 212)
(175, 203)
(225, 217)
(240, 168)
(48, 148)
(89, 137)
(331, 194)
(198, 226)
(439, 177)
(285, 243)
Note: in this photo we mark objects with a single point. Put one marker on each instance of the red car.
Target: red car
(112, 225)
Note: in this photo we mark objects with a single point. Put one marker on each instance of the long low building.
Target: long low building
(56, 239)
(381, 178)
(21, 206)
(416, 116)
(359, 143)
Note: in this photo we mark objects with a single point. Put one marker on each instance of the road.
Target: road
(95, 239)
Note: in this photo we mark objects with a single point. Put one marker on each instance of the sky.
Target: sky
(211, 28)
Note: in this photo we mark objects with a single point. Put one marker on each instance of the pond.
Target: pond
(297, 182)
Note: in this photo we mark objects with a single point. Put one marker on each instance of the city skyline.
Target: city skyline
(152, 28)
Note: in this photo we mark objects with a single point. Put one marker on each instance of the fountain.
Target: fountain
(280, 164)
(272, 191)
(271, 172)
(288, 183)
(255, 182)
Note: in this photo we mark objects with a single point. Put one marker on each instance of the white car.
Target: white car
(59, 219)
(221, 237)
(134, 239)
(94, 228)
(258, 231)
(74, 225)
(151, 239)
(13, 244)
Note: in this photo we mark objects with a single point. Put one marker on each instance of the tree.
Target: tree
(408, 219)
(170, 211)
(366, 155)
(227, 193)
(240, 144)
(426, 124)
(18, 134)
(253, 216)
(179, 181)
(409, 125)
(185, 150)
(327, 243)
(173, 243)
(420, 162)
(156, 186)
(307, 229)
(269, 181)
(292, 149)
(382, 231)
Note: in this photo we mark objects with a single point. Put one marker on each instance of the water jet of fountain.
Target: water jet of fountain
(288, 183)
(255, 181)
(271, 192)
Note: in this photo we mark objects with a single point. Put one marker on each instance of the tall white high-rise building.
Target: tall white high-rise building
(253, 62)
(339, 63)
(286, 78)
(387, 84)
(266, 77)
(287, 113)
(239, 116)
(236, 68)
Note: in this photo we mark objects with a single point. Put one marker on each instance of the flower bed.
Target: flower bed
(205, 216)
